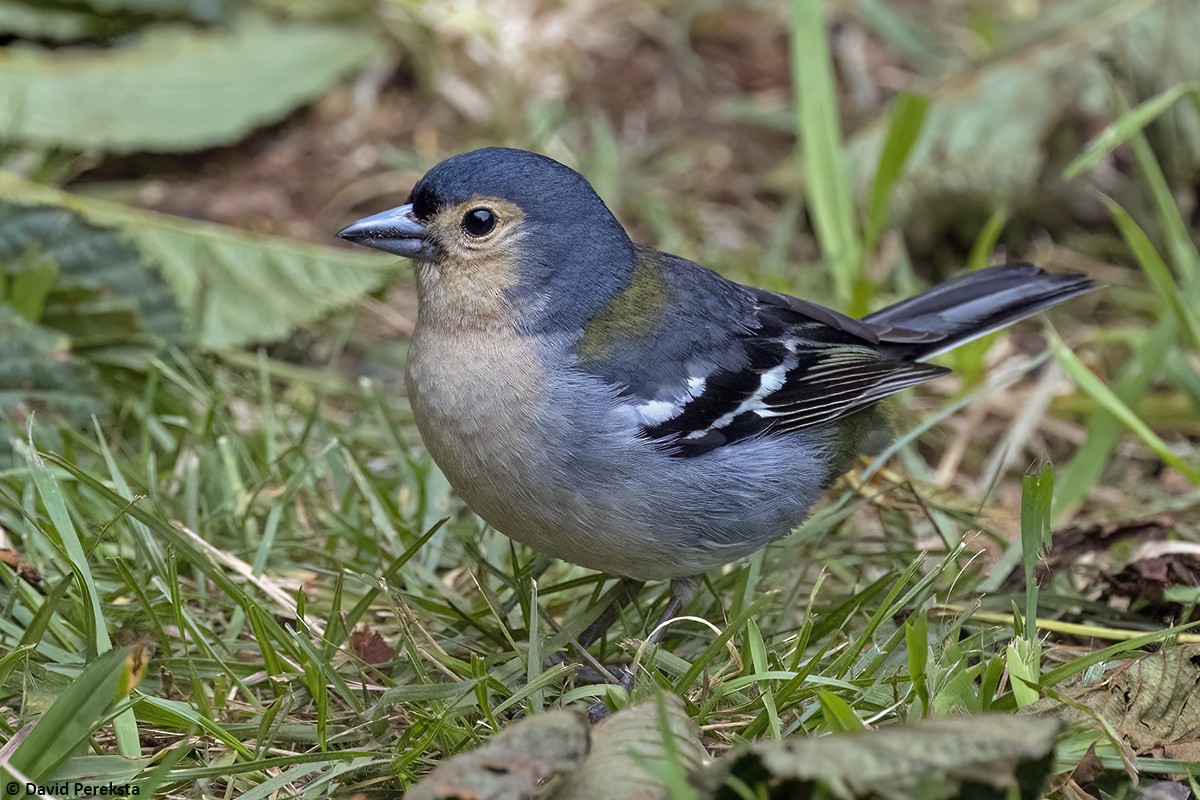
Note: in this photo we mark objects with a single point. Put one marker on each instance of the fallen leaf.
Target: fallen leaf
(981, 756)
(1150, 701)
(371, 647)
(19, 565)
(524, 761)
(629, 748)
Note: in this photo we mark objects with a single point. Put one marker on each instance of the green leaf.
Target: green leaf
(839, 716)
(1024, 661)
(224, 287)
(30, 287)
(916, 642)
(95, 300)
(173, 89)
(39, 373)
(92, 261)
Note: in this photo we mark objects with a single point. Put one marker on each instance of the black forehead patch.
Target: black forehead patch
(425, 201)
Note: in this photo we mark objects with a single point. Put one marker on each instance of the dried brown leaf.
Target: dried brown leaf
(1150, 701)
(370, 646)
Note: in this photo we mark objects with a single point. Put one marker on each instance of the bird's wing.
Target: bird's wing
(726, 362)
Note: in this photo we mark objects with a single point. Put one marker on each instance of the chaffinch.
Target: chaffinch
(626, 409)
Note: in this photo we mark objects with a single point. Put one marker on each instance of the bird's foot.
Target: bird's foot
(598, 675)
(599, 710)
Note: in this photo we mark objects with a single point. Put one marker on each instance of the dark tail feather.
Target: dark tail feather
(975, 304)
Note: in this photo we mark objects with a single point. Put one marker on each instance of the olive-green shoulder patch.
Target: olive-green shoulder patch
(632, 313)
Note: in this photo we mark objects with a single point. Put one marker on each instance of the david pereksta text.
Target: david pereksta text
(74, 789)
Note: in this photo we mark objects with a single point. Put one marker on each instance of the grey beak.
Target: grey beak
(394, 231)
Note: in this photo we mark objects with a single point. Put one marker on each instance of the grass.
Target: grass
(254, 581)
(256, 680)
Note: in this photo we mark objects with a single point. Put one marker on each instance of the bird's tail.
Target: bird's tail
(976, 304)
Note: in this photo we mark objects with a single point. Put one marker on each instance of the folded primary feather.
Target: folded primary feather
(786, 364)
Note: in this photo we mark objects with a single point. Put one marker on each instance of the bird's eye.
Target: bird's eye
(478, 222)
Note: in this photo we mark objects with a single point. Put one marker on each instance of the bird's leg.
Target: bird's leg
(625, 593)
(592, 670)
(683, 590)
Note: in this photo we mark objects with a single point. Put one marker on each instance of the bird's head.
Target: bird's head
(505, 230)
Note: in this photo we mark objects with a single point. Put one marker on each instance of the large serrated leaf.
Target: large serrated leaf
(233, 287)
(73, 298)
(39, 374)
(91, 258)
(173, 89)
(24, 19)
(201, 10)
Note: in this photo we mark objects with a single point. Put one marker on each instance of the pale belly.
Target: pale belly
(569, 482)
(474, 401)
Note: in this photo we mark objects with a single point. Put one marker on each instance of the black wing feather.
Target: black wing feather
(734, 362)
(828, 372)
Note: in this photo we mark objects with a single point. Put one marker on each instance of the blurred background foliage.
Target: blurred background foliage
(176, 322)
(279, 121)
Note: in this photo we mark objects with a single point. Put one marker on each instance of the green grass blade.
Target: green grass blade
(839, 716)
(1157, 271)
(41, 619)
(916, 642)
(1086, 467)
(1104, 429)
(904, 127)
(67, 536)
(533, 665)
(1126, 126)
(1037, 492)
(819, 131)
(1180, 246)
(985, 242)
(1113, 404)
(759, 660)
(73, 717)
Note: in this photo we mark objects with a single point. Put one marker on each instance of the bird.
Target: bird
(629, 410)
